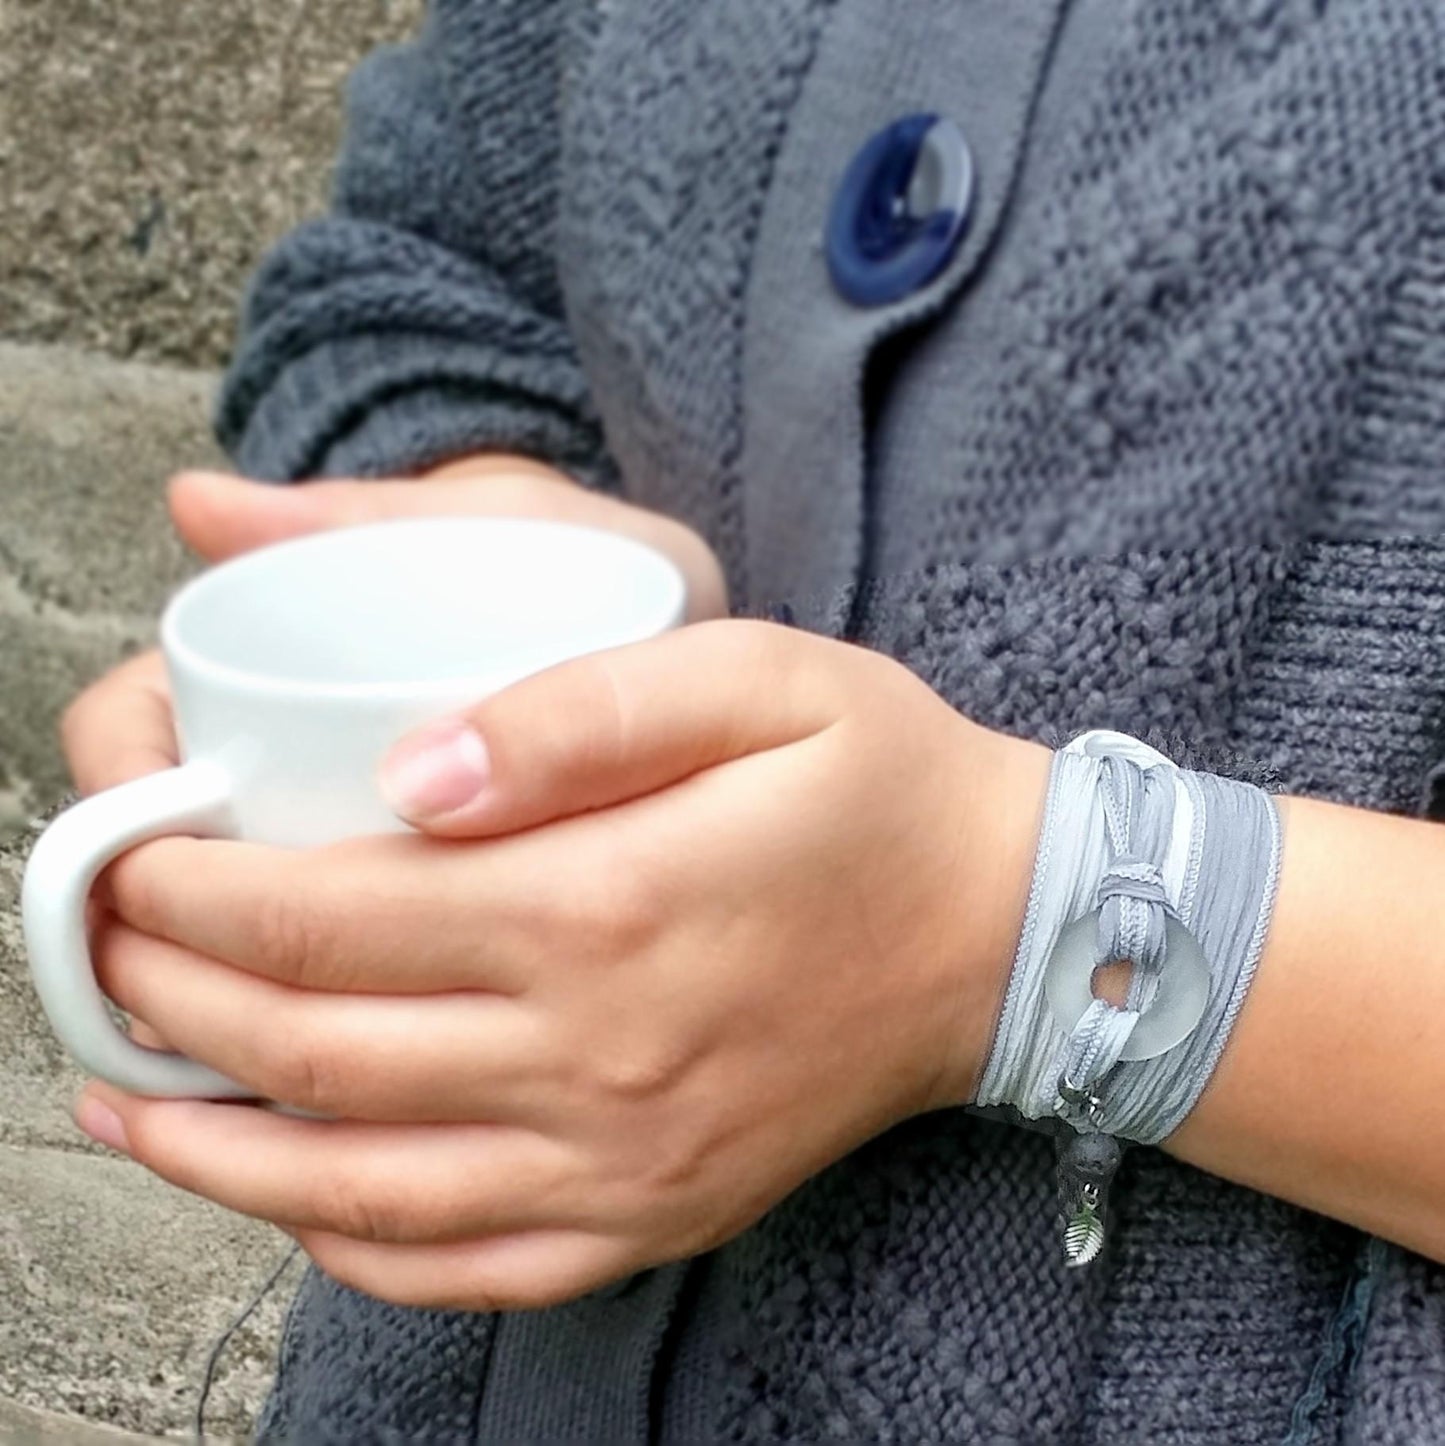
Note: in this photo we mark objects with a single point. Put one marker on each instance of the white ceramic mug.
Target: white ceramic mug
(293, 671)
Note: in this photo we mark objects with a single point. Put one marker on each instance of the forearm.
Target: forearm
(1331, 1090)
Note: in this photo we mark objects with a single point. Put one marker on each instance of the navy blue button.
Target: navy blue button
(901, 210)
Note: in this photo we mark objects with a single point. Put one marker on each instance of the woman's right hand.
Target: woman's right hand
(120, 727)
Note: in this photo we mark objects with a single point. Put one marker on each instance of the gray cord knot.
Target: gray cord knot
(1132, 910)
(1132, 878)
(1138, 807)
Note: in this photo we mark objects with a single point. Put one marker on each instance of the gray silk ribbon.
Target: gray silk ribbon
(1109, 842)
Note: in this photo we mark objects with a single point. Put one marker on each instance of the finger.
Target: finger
(507, 1272)
(221, 516)
(615, 725)
(121, 728)
(369, 1057)
(362, 916)
(142, 1033)
(374, 1182)
(99, 923)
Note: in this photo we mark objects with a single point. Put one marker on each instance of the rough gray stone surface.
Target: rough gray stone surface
(113, 1285)
(87, 555)
(26, 1426)
(149, 151)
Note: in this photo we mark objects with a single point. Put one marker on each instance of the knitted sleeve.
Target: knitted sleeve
(422, 318)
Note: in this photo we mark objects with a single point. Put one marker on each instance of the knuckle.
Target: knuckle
(108, 959)
(136, 891)
(674, 1167)
(293, 936)
(147, 1144)
(785, 666)
(91, 711)
(617, 913)
(360, 1206)
(660, 1192)
(300, 1068)
(142, 1033)
(74, 721)
(79, 728)
(155, 1142)
(636, 1072)
(601, 698)
(752, 645)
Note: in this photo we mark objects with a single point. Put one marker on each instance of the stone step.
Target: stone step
(113, 1285)
(87, 554)
(153, 151)
(116, 1286)
(25, 1426)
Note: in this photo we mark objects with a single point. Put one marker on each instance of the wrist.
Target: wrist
(1004, 793)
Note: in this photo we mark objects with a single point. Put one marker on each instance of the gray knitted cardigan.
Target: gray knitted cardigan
(1163, 450)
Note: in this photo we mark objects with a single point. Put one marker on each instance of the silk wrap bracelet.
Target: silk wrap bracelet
(1171, 871)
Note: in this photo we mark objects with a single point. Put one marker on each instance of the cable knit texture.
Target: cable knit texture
(1168, 459)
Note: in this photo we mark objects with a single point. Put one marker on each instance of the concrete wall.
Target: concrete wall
(148, 153)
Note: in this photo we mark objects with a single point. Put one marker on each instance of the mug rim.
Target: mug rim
(672, 599)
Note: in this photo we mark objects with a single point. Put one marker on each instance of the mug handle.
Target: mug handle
(194, 799)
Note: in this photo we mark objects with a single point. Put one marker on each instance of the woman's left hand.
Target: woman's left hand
(722, 906)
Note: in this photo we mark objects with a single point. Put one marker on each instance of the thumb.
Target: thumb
(220, 516)
(614, 725)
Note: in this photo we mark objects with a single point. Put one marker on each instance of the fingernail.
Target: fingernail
(102, 1123)
(435, 771)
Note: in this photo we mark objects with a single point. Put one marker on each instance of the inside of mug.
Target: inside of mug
(423, 600)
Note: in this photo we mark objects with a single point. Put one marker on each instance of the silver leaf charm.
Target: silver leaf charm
(1086, 1165)
(1084, 1233)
